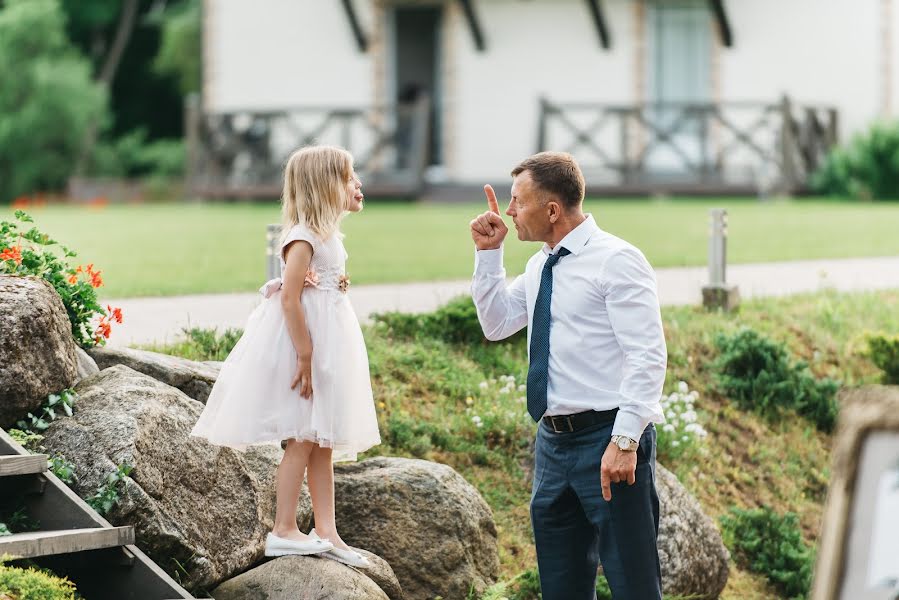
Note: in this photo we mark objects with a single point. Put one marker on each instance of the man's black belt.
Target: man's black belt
(577, 421)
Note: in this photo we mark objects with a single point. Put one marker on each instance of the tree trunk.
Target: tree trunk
(127, 19)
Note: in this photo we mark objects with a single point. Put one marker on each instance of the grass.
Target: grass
(171, 249)
(429, 391)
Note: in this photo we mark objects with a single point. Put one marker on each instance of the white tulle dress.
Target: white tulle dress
(252, 403)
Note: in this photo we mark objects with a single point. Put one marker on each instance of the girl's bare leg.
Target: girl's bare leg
(288, 483)
(321, 488)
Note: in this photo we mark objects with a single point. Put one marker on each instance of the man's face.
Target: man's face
(528, 210)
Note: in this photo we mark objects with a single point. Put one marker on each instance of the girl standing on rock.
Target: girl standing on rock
(300, 371)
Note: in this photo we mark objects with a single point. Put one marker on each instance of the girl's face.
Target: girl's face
(354, 193)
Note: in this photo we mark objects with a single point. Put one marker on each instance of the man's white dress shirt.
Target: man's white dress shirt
(606, 343)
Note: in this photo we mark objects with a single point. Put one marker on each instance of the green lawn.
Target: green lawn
(166, 249)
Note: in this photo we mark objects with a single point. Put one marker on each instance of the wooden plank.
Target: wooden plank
(47, 543)
(22, 465)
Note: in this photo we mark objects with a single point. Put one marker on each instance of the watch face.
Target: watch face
(623, 443)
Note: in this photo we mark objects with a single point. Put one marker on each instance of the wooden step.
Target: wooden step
(18, 464)
(47, 543)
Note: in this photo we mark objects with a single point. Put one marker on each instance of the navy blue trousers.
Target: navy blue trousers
(575, 528)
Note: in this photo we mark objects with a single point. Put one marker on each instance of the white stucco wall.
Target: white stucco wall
(271, 54)
(534, 49)
(816, 51)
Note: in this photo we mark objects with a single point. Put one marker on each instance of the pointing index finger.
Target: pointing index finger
(491, 199)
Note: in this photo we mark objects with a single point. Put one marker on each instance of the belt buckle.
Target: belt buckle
(552, 420)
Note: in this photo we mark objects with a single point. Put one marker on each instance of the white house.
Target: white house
(701, 95)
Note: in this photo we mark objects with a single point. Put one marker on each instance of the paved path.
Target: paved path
(161, 319)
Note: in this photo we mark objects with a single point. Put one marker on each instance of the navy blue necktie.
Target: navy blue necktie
(538, 371)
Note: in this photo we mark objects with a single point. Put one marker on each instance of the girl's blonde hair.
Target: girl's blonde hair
(314, 193)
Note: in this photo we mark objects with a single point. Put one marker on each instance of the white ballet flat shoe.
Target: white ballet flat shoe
(278, 546)
(347, 557)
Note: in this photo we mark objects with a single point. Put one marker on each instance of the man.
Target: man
(597, 360)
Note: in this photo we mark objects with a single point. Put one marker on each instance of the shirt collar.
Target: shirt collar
(577, 238)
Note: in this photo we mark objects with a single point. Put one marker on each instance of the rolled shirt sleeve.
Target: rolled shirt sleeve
(502, 309)
(633, 308)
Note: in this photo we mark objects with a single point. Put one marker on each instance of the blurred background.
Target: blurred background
(164, 124)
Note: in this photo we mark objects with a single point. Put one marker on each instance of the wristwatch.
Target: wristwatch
(624, 443)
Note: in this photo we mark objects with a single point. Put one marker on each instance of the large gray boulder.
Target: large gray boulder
(198, 510)
(86, 366)
(37, 352)
(191, 377)
(301, 577)
(693, 557)
(423, 518)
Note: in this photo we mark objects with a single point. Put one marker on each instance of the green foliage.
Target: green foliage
(56, 404)
(75, 287)
(19, 520)
(33, 584)
(770, 544)
(47, 99)
(760, 376)
(884, 352)
(180, 49)
(867, 168)
(63, 401)
(202, 344)
(27, 439)
(456, 323)
(62, 468)
(132, 155)
(4, 530)
(107, 495)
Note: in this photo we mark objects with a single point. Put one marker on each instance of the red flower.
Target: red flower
(73, 279)
(116, 313)
(13, 254)
(96, 280)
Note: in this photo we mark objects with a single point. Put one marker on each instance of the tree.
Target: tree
(181, 47)
(47, 100)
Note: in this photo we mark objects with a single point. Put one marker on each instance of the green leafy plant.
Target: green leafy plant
(4, 530)
(770, 544)
(867, 168)
(55, 403)
(884, 352)
(33, 584)
(760, 376)
(18, 520)
(27, 439)
(62, 468)
(32, 253)
(107, 495)
(456, 322)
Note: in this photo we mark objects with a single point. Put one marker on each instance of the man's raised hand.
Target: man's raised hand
(488, 229)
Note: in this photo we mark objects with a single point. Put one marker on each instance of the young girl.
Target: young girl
(300, 371)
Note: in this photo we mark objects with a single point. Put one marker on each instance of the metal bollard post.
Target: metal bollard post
(717, 246)
(717, 294)
(272, 242)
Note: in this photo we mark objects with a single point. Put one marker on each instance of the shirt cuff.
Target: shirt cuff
(630, 425)
(488, 261)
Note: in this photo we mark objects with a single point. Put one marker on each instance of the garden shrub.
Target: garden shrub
(760, 376)
(767, 543)
(884, 352)
(34, 584)
(867, 168)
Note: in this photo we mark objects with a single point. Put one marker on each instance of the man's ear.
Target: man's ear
(554, 210)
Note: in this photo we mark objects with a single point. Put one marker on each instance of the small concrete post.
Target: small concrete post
(272, 260)
(717, 294)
